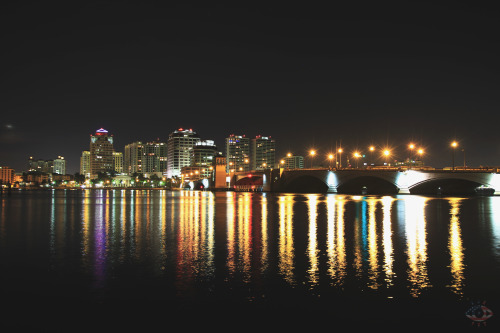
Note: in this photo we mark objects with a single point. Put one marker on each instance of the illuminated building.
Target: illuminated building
(132, 157)
(263, 153)
(293, 162)
(6, 175)
(85, 164)
(147, 158)
(118, 162)
(155, 158)
(57, 166)
(39, 165)
(237, 153)
(101, 152)
(180, 144)
(202, 156)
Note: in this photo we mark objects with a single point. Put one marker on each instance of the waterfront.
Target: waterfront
(92, 259)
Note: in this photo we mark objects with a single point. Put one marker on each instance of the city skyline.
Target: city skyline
(310, 77)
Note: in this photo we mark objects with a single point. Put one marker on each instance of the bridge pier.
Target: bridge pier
(332, 189)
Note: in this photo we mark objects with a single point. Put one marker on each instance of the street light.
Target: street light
(386, 154)
(411, 146)
(454, 145)
(421, 152)
(340, 157)
(372, 149)
(330, 157)
(312, 153)
(356, 157)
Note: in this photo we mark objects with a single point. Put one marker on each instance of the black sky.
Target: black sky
(361, 73)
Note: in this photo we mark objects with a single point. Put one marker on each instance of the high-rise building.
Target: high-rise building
(59, 166)
(101, 152)
(237, 153)
(132, 159)
(155, 158)
(118, 162)
(146, 158)
(39, 165)
(179, 147)
(203, 155)
(263, 152)
(85, 164)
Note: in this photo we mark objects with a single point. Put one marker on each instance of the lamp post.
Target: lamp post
(372, 149)
(411, 146)
(312, 153)
(386, 154)
(454, 145)
(421, 152)
(340, 157)
(330, 158)
(356, 157)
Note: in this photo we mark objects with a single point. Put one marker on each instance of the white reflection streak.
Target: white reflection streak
(416, 244)
(372, 244)
(494, 206)
(455, 247)
(313, 244)
(387, 239)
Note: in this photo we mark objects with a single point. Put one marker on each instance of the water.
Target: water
(101, 260)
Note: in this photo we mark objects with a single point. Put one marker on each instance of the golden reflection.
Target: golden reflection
(387, 202)
(416, 244)
(245, 233)
(455, 246)
(231, 230)
(263, 227)
(373, 269)
(335, 238)
(312, 249)
(286, 244)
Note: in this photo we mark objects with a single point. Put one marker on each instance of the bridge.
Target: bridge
(371, 181)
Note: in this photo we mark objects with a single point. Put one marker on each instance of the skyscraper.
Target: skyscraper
(85, 164)
(237, 153)
(132, 157)
(179, 146)
(59, 166)
(203, 155)
(101, 152)
(263, 152)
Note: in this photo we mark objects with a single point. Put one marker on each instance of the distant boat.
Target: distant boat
(484, 190)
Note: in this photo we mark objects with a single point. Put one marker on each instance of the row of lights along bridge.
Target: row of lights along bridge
(415, 156)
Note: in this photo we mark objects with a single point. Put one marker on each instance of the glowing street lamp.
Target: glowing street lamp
(356, 157)
(421, 152)
(386, 154)
(312, 153)
(340, 157)
(411, 146)
(454, 145)
(330, 157)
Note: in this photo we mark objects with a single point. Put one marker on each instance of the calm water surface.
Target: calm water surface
(95, 260)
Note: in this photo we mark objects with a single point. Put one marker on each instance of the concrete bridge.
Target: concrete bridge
(377, 181)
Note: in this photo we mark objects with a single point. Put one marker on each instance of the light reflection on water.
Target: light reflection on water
(204, 243)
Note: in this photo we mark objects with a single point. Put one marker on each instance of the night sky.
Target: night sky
(359, 73)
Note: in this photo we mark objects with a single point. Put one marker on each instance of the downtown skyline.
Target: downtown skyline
(311, 78)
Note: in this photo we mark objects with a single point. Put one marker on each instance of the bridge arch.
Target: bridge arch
(367, 185)
(306, 184)
(445, 186)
